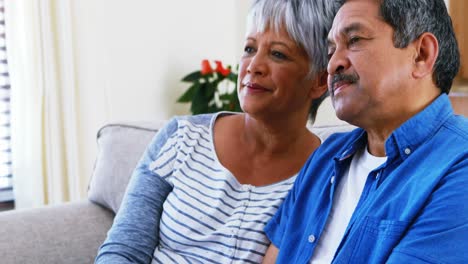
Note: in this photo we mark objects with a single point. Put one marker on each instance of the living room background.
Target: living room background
(112, 61)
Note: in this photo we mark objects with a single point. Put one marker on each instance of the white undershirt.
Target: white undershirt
(345, 200)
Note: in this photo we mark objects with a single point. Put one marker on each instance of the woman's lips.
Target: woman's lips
(256, 88)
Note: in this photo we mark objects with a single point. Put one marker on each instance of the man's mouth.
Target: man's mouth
(341, 81)
(338, 86)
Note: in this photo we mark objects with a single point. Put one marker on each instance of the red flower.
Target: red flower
(220, 69)
(206, 67)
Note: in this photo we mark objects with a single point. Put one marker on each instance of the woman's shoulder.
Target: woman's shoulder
(191, 126)
(201, 120)
(177, 124)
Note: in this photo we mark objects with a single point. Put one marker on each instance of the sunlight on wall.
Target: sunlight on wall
(130, 57)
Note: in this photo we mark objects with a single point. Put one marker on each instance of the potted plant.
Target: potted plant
(212, 90)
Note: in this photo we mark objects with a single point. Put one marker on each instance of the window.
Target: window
(6, 184)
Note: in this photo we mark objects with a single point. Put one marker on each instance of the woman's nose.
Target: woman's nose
(257, 65)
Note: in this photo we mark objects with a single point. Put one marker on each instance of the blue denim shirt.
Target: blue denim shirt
(413, 209)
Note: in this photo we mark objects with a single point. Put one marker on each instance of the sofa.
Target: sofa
(72, 232)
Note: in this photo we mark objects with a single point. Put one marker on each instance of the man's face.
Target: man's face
(368, 76)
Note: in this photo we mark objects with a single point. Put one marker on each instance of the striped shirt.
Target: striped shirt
(209, 217)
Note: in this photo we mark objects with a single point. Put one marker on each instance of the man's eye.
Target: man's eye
(330, 53)
(353, 40)
(279, 55)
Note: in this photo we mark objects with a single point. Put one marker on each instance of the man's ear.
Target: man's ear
(320, 86)
(427, 50)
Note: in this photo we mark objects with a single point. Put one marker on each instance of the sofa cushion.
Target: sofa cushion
(120, 147)
(65, 233)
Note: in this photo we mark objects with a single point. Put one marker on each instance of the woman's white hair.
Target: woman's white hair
(306, 21)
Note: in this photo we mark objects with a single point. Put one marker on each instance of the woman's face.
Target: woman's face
(274, 76)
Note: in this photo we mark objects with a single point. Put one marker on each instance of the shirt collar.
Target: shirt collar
(418, 129)
(358, 140)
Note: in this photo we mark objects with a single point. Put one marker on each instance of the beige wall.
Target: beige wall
(131, 55)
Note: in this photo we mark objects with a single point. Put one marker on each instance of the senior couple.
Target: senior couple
(233, 187)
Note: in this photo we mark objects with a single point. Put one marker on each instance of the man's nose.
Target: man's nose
(338, 62)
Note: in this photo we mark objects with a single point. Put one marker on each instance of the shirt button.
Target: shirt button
(407, 151)
(311, 238)
(332, 180)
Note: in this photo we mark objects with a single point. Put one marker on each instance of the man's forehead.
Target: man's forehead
(355, 16)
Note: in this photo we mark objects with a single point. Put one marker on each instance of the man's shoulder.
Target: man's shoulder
(458, 125)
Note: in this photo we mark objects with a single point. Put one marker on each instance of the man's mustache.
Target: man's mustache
(341, 77)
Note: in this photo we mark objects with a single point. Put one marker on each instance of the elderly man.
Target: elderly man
(395, 190)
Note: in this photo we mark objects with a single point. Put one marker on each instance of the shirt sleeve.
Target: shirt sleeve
(440, 231)
(135, 232)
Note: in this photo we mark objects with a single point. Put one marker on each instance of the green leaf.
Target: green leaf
(234, 104)
(225, 97)
(199, 102)
(237, 107)
(220, 76)
(232, 77)
(210, 90)
(192, 77)
(211, 109)
(188, 95)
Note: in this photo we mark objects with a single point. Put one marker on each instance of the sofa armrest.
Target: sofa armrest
(68, 233)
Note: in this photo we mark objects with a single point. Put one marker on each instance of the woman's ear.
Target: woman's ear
(427, 49)
(320, 85)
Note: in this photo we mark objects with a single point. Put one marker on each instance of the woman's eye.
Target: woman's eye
(278, 55)
(248, 50)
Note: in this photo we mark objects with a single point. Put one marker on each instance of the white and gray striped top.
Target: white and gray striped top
(209, 217)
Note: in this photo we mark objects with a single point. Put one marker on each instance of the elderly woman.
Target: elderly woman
(227, 173)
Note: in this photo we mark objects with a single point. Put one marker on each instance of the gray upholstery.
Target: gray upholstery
(68, 233)
(72, 232)
(120, 147)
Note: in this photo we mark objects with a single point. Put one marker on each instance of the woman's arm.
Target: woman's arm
(135, 232)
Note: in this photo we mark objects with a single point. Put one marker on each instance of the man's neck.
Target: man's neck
(376, 143)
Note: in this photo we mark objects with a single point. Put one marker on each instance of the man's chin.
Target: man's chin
(342, 112)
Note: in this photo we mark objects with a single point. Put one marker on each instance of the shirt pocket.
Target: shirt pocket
(376, 239)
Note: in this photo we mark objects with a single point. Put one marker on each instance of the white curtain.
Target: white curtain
(44, 102)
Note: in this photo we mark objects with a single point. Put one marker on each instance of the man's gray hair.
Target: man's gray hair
(410, 19)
